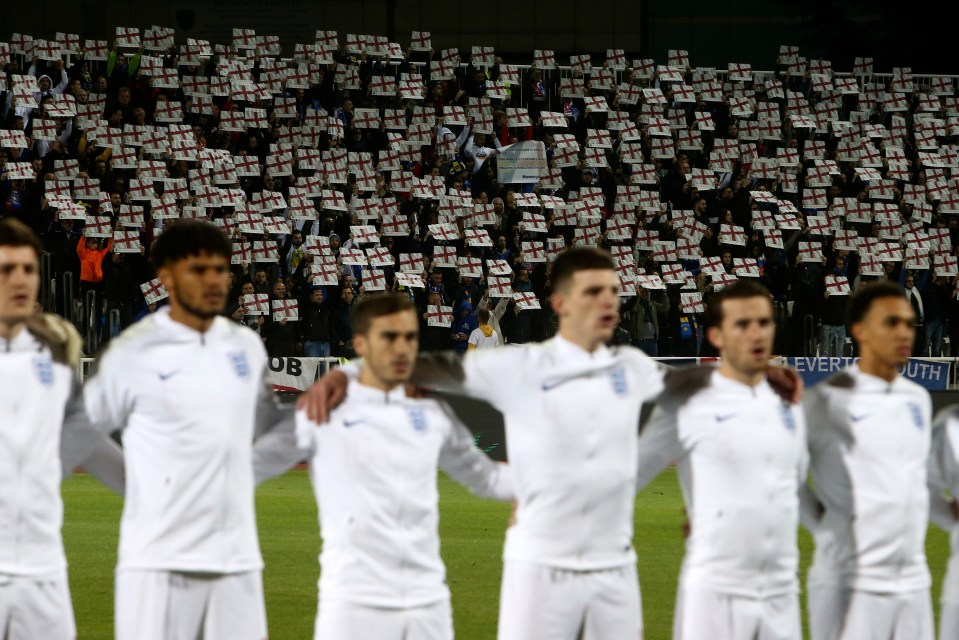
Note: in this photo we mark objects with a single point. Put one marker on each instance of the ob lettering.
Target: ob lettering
(292, 366)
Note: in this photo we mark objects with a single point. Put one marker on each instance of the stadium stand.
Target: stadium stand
(352, 165)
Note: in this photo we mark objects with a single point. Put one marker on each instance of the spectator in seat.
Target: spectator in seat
(832, 340)
(483, 336)
(436, 285)
(496, 314)
(501, 251)
(518, 325)
(341, 325)
(261, 283)
(279, 336)
(238, 311)
(522, 283)
(292, 252)
(315, 325)
(463, 325)
(91, 252)
(433, 338)
(644, 331)
(914, 294)
(935, 303)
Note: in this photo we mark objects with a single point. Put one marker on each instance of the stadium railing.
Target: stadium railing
(291, 375)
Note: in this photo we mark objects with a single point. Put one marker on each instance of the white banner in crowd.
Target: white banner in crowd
(521, 163)
(294, 374)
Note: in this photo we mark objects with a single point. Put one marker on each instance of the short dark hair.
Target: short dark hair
(188, 238)
(578, 259)
(861, 301)
(379, 304)
(482, 316)
(739, 290)
(14, 233)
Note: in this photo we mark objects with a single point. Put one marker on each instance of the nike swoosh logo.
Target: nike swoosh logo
(164, 376)
(858, 418)
(725, 417)
(352, 423)
(547, 386)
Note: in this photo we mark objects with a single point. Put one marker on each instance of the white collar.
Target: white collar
(869, 382)
(23, 341)
(735, 386)
(184, 332)
(367, 394)
(571, 352)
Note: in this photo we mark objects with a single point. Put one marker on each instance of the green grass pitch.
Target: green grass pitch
(471, 531)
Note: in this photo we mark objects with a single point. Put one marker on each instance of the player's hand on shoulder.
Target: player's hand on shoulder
(786, 382)
(413, 391)
(323, 396)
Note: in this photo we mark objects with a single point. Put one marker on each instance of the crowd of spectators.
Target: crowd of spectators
(351, 165)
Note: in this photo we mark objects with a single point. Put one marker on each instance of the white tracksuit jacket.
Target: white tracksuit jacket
(44, 434)
(944, 475)
(741, 456)
(869, 443)
(373, 468)
(187, 405)
(571, 421)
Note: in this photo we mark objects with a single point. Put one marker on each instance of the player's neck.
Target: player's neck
(747, 378)
(10, 330)
(195, 322)
(587, 345)
(369, 379)
(875, 367)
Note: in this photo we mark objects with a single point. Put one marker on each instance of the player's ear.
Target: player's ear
(715, 337)
(359, 344)
(165, 274)
(855, 330)
(557, 301)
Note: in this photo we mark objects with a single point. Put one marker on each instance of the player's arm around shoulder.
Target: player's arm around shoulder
(659, 442)
(943, 469)
(822, 407)
(82, 444)
(275, 447)
(824, 430)
(480, 373)
(110, 392)
(59, 336)
(462, 460)
(283, 446)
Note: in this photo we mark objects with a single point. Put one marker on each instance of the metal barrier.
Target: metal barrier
(83, 370)
(47, 282)
(325, 364)
(91, 320)
(809, 335)
(53, 296)
(77, 314)
(69, 308)
(113, 323)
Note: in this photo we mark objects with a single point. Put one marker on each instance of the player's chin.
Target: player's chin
(209, 309)
(16, 311)
(604, 334)
(401, 371)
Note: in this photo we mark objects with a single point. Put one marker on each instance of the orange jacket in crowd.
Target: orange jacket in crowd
(91, 261)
